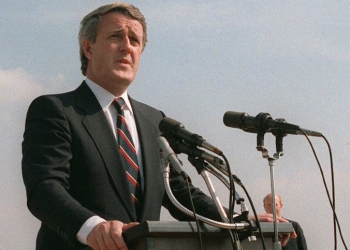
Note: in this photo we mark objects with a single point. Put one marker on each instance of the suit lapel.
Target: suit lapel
(100, 131)
(148, 132)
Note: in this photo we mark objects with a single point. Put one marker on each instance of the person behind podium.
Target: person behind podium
(298, 243)
(72, 168)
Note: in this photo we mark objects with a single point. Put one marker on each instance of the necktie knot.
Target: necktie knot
(119, 102)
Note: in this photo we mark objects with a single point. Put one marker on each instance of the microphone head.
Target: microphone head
(169, 126)
(233, 119)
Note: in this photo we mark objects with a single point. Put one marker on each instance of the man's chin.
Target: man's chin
(124, 77)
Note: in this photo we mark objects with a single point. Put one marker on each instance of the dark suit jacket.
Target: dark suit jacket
(72, 169)
(298, 243)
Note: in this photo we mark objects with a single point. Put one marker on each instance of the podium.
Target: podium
(175, 235)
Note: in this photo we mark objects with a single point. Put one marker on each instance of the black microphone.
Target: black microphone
(263, 122)
(181, 147)
(174, 128)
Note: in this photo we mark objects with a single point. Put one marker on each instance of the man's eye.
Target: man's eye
(134, 40)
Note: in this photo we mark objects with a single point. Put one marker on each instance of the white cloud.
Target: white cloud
(17, 85)
(20, 86)
(18, 89)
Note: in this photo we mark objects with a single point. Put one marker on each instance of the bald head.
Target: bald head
(268, 204)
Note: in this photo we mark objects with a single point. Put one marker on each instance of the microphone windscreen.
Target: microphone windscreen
(233, 119)
(169, 126)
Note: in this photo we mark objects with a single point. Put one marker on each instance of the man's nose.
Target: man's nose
(125, 44)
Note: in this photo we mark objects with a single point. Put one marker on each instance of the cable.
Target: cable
(335, 218)
(256, 217)
(186, 211)
(195, 216)
(232, 189)
(332, 203)
(201, 167)
(215, 172)
(231, 203)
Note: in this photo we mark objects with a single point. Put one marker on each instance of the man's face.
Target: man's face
(268, 205)
(114, 58)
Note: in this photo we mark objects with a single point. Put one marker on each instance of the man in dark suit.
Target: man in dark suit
(298, 243)
(72, 169)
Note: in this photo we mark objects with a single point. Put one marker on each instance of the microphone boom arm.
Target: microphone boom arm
(166, 174)
(200, 165)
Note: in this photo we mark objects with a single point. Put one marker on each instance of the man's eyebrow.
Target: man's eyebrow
(120, 30)
(117, 30)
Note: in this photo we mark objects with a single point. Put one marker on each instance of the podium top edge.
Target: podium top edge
(155, 228)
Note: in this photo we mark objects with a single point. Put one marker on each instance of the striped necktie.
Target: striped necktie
(129, 156)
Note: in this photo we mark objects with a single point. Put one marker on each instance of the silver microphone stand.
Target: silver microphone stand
(271, 161)
(166, 173)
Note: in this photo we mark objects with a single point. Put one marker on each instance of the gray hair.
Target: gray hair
(91, 22)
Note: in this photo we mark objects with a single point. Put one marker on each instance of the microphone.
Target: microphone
(180, 147)
(263, 122)
(169, 155)
(174, 128)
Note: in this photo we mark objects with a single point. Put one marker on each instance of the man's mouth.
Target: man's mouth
(123, 61)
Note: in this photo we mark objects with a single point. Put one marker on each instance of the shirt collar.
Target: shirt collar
(105, 98)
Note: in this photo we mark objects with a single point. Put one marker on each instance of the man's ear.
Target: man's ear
(87, 48)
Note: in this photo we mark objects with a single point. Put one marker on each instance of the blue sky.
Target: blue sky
(287, 58)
